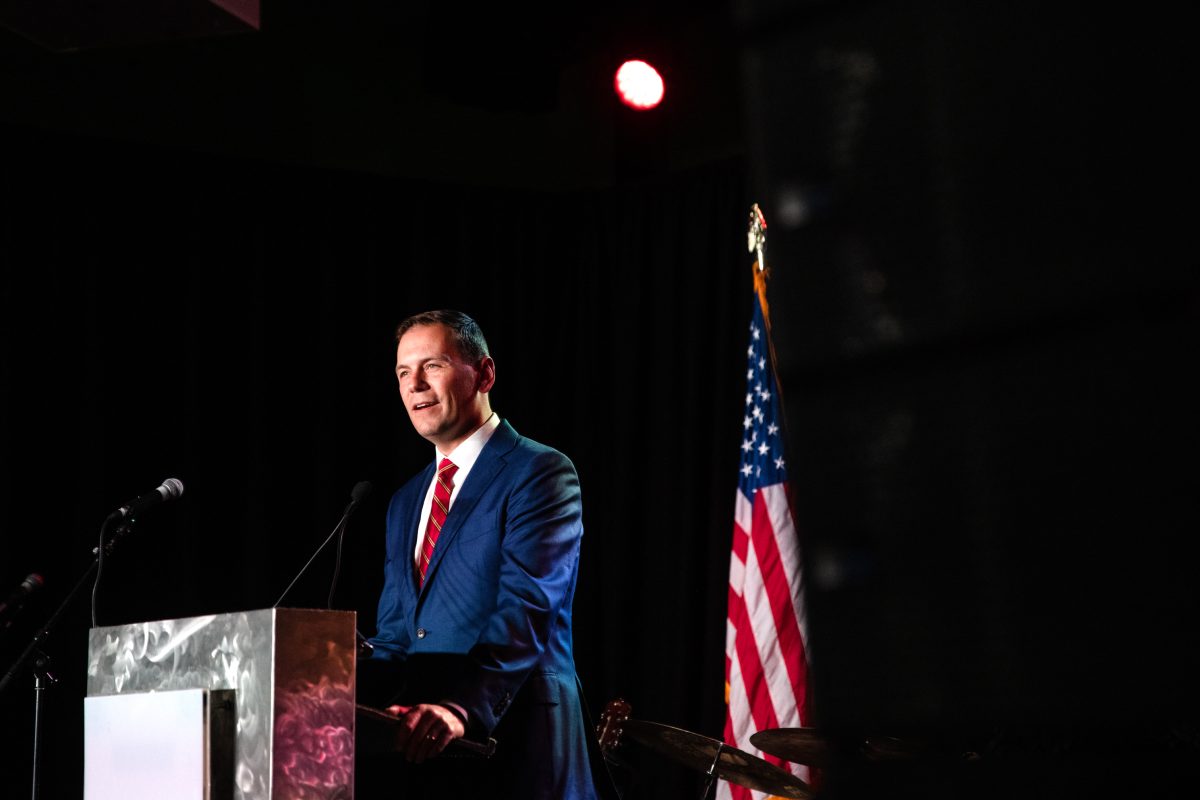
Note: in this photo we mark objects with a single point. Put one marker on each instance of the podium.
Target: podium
(263, 703)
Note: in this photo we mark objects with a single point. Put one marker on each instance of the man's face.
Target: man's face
(446, 397)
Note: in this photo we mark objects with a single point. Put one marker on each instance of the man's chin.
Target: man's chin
(424, 420)
(431, 432)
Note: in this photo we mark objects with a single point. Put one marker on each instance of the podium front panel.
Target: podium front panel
(292, 672)
(151, 745)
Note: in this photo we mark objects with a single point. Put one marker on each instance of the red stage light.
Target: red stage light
(639, 85)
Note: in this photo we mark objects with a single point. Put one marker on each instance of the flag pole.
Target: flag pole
(756, 242)
(766, 652)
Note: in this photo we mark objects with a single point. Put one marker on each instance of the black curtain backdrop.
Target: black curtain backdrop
(229, 323)
(985, 309)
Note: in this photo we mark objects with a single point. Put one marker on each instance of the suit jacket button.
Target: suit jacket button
(420, 633)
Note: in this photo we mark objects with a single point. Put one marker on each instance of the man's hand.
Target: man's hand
(425, 730)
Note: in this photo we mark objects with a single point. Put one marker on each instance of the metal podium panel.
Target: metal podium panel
(293, 675)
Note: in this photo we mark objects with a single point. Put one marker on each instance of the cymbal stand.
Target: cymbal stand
(712, 770)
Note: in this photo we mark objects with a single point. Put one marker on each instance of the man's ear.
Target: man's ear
(487, 374)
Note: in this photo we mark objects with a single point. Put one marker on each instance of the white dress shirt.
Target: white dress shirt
(464, 457)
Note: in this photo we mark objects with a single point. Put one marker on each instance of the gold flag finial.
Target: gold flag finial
(756, 237)
(756, 242)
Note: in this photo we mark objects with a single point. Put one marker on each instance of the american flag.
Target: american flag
(766, 664)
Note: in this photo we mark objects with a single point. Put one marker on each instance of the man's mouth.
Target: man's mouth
(420, 406)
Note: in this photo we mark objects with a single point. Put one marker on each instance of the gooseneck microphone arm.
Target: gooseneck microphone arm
(360, 491)
(123, 518)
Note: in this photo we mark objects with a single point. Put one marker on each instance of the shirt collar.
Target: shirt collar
(465, 455)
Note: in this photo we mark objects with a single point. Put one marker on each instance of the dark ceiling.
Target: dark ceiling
(505, 97)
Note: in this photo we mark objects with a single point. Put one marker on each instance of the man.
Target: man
(474, 622)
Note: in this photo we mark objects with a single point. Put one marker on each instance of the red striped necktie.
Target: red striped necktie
(437, 513)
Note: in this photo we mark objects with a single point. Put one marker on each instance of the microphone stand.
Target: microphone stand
(42, 677)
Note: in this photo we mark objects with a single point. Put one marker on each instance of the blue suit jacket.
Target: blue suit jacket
(497, 602)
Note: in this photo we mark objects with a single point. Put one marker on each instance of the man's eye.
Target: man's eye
(403, 373)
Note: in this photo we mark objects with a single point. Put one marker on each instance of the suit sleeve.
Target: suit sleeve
(542, 529)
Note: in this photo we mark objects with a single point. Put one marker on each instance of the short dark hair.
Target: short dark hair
(468, 337)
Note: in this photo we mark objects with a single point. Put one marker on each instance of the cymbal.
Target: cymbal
(809, 746)
(699, 752)
(890, 748)
(797, 745)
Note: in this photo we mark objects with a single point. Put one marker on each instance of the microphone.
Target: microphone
(17, 598)
(171, 488)
(357, 494)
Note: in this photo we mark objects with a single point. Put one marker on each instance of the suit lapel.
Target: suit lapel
(490, 463)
